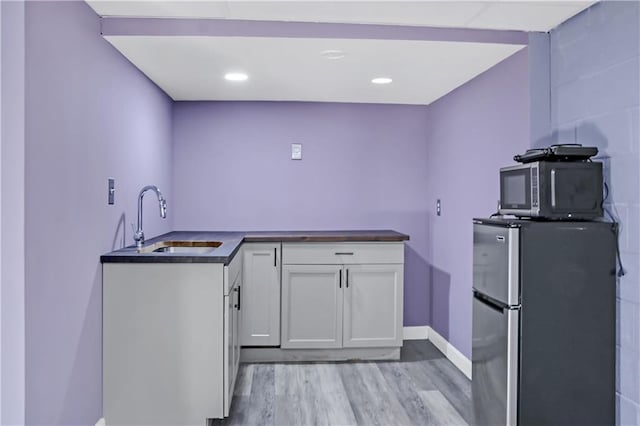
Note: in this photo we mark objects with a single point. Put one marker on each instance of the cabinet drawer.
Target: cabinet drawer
(342, 253)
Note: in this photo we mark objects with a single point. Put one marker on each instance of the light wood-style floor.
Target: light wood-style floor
(423, 388)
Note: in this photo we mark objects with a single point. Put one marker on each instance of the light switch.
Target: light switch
(112, 191)
(296, 151)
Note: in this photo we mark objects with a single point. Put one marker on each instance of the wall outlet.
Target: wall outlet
(296, 151)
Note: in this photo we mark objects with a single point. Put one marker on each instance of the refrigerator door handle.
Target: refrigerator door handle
(513, 327)
(513, 274)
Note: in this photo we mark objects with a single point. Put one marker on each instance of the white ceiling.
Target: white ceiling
(536, 15)
(293, 69)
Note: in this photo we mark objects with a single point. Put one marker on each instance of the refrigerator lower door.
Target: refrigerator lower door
(495, 363)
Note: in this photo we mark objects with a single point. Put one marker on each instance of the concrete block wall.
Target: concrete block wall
(595, 100)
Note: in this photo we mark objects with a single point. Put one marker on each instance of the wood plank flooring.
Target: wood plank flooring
(423, 388)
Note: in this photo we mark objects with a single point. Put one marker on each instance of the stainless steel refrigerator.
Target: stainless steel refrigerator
(543, 350)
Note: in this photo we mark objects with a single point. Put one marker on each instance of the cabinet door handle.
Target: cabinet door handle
(344, 253)
(347, 280)
(237, 290)
(275, 257)
(340, 280)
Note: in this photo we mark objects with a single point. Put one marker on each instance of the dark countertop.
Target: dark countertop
(324, 236)
(231, 242)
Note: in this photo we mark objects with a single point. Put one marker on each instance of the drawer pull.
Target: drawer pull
(344, 253)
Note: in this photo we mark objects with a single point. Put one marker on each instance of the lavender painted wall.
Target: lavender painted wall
(595, 100)
(89, 115)
(363, 167)
(474, 131)
(12, 167)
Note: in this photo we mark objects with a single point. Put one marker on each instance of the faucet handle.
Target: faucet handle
(138, 235)
(163, 208)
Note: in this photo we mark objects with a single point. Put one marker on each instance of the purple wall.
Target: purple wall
(12, 164)
(89, 115)
(474, 131)
(595, 100)
(363, 167)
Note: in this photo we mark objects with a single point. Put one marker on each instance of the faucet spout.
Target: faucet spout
(138, 235)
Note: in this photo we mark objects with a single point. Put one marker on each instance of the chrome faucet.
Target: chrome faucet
(138, 235)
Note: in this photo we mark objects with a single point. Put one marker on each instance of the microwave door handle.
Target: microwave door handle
(553, 188)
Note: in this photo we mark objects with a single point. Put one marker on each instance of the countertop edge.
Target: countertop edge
(318, 239)
(129, 255)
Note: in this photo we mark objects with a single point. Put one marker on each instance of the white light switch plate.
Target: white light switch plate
(296, 151)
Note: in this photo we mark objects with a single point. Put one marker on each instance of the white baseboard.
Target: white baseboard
(425, 332)
(454, 355)
(101, 422)
(415, 333)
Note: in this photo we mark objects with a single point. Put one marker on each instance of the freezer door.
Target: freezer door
(495, 363)
(496, 259)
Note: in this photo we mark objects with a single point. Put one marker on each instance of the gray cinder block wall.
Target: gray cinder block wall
(595, 100)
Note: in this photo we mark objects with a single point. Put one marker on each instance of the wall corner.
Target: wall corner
(539, 90)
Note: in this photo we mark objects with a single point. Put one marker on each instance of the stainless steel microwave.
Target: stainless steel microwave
(552, 189)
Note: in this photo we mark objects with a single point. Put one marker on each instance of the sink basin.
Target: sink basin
(174, 249)
(182, 247)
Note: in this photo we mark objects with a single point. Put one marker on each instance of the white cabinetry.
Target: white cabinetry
(338, 295)
(312, 306)
(372, 306)
(232, 324)
(171, 346)
(261, 295)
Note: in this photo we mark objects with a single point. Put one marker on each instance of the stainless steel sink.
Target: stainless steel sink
(181, 247)
(174, 249)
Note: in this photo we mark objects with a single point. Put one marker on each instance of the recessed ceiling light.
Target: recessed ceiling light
(381, 80)
(236, 76)
(333, 54)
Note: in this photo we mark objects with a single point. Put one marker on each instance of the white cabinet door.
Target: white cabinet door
(232, 340)
(373, 306)
(260, 313)
(229, 324)
(232, 303)
(312, 306)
